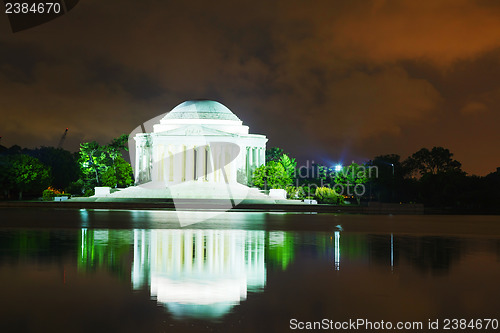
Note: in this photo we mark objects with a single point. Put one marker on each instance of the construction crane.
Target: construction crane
(63, 137)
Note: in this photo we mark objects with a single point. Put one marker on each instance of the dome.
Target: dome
(201, 109)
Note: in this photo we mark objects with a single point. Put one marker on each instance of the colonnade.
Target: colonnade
(180, 163)
(216, 162)
(255, 157)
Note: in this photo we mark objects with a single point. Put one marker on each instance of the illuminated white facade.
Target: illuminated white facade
(201, 141)
(199, 273)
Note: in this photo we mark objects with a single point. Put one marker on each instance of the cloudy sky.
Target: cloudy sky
(328, 81)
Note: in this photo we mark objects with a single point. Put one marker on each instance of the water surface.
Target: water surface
(100, 270)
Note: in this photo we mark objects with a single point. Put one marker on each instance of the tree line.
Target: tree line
(429, 176)
(27, 173)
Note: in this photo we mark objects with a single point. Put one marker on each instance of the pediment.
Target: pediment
(195, 130)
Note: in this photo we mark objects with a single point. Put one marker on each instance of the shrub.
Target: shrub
(327, 195)
(48, 195)
(297, 193)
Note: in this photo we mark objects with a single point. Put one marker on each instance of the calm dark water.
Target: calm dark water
(140, 271)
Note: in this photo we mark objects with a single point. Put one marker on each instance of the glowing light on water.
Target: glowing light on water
(337, 250)
(392, 252)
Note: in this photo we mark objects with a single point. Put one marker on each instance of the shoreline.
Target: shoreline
(370, 208)
(221, 205)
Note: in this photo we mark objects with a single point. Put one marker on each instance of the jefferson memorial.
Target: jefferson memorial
(199, 140)
(198, 150)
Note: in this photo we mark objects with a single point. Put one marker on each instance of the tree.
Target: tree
(6, 183)
(92, 162)
(104, 165)
(62, 163)
(28, 174)
(437, 160)
(120, 175)
(272, 175)
(350, 180)
(385, 186)
(274, 154)
(289, 164)
(114, 152)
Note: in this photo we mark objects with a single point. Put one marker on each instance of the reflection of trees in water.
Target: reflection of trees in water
(40, 246)
(110, 249)
(427, 253)
(431, 253)
(332, 246)
(113, 249)
(383, 249)
(497, 245)
(280, 249)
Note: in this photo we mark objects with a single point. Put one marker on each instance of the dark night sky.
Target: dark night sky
(325, 80)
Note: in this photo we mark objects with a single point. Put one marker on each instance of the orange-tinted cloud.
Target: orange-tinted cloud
(366, 77)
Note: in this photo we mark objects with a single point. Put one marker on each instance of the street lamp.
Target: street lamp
(338, 167)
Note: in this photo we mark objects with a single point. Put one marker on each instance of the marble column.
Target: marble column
(200, 163)
(178, 154)
(190, 162)
(209, 164)
(170, 163)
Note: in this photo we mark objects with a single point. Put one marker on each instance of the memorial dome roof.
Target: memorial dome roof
(201, 109)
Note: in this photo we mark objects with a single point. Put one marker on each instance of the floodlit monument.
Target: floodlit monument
(198, 140)
(198, 150)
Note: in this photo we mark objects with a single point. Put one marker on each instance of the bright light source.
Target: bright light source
(338, 167)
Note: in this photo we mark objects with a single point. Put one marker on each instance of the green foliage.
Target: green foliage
(120, 175)
(89, 192)
(119, 143)
(28, 174)
(92, 162)
(281, 251)
(63, 164)
(350, 176)
(6, 183)
(271, 176)
(327, 195)
(295, 193)
(48, 195)
(274, 154)
(289, 165)
(279, 172)
(104, 165)
(77, 187)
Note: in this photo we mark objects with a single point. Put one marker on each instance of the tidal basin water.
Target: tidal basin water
(139, 271)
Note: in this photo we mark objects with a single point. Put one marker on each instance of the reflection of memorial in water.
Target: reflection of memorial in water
(199, 273)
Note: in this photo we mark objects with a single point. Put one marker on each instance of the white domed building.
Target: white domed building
(198, 140)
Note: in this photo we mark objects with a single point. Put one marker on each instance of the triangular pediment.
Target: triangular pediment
(195, 130)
